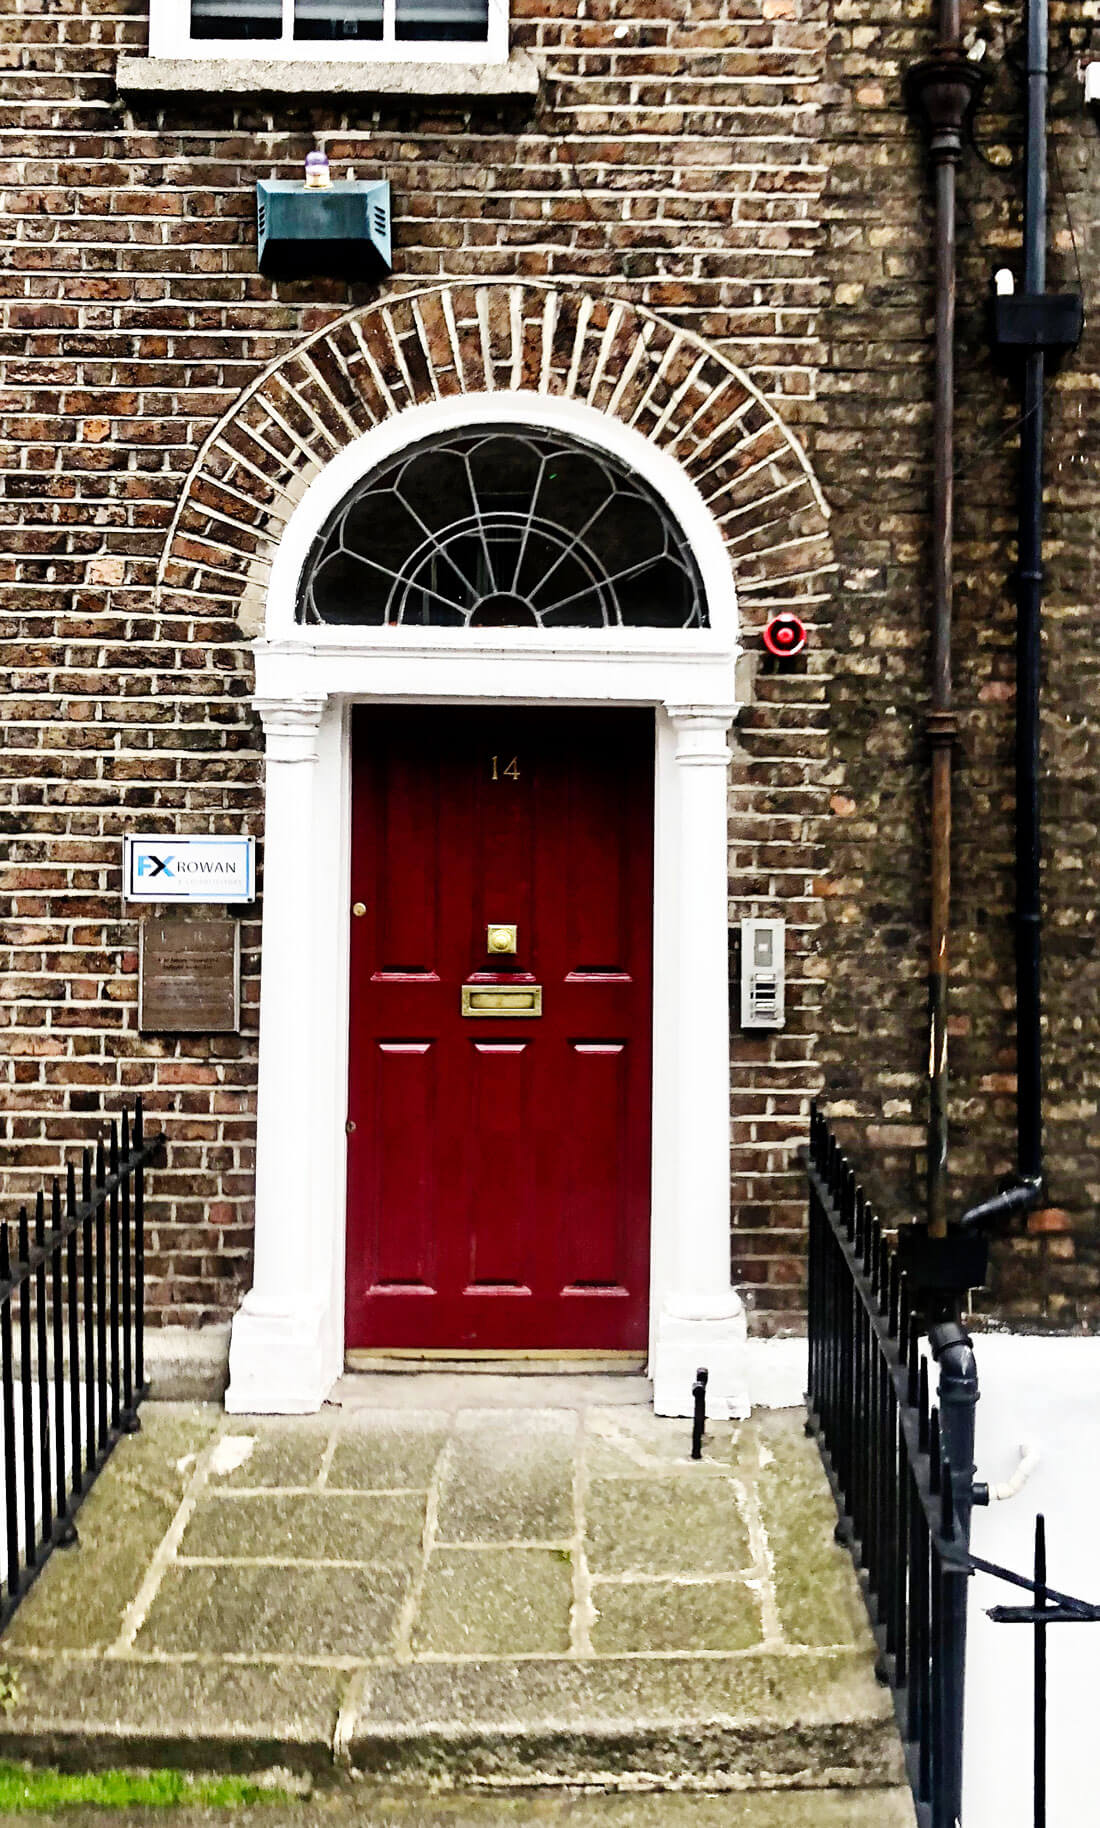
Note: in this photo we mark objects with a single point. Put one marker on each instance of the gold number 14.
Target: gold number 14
(511, 769)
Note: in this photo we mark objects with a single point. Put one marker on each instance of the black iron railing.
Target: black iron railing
(1049, 1607)
(902, 1506)
(72, 1369)
(902, 1474)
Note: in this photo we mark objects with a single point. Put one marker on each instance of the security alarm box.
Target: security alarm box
(762, 973)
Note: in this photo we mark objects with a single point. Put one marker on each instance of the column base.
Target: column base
(705, 1330)
(279, 1362)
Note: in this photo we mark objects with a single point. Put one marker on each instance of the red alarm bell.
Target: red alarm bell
(785, 636)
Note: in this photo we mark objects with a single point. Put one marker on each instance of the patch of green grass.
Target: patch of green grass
(23, 1787)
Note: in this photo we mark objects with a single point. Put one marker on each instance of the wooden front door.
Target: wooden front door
(499, 1163)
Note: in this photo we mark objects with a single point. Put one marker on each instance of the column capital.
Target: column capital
(701, 732)
(290, 726)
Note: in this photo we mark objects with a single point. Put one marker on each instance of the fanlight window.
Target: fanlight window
(503, 528)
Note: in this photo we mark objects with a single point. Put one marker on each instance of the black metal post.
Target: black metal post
(7, 1386)
(958, 1397)
(139, 1253)
(1040, 1675)
(699, 1422)
(26, 1388)
(72, 1303)
(45, 1450)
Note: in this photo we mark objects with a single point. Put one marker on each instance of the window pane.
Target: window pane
(503, 528)
(236, 18)
(444, 19)
(338, 19)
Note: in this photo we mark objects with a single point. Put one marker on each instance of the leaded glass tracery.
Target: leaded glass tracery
(503, 528)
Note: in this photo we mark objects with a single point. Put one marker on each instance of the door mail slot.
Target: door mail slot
(524, 1000)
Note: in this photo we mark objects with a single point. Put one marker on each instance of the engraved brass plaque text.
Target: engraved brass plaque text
(189, 976)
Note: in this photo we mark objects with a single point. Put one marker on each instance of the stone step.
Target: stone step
(761, 1719)
(371, 1808)
(461, 1596)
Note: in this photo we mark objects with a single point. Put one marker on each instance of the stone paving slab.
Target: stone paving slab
(475, 1599)
(431, 1580)
(381, 1527)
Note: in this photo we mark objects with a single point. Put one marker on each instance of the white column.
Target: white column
(702, 1320)
(276, 1356)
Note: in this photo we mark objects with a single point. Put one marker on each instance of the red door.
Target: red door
(498, 1163)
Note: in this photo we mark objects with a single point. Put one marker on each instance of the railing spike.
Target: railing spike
(24, 1235)
(40, 1217)
(5, 1250)
(934, 1453)
(922, 1405)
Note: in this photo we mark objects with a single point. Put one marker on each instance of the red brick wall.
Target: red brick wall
(748, 172)
(872, 449)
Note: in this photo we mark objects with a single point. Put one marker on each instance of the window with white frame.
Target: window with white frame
(424, 30)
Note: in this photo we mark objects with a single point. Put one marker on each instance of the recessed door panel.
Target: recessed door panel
(597, 923)
(405, 1180)
(500, 1215)
(405, 894)
(499, 1096)
(595, 1140)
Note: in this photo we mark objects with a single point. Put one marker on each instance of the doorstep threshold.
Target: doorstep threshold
(404, 1359)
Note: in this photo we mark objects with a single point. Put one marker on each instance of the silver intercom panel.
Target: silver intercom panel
(762, 974)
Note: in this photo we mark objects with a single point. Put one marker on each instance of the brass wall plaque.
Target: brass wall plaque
(189, 976)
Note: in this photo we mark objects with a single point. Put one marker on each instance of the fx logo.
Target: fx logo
(154, 866)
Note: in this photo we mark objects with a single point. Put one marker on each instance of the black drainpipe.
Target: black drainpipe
(1033, 329)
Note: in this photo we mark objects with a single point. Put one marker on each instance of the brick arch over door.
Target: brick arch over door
(499, 337)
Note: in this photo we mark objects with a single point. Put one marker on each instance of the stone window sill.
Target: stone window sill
(318, 78)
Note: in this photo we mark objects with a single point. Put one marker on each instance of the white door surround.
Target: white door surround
(287, 1343)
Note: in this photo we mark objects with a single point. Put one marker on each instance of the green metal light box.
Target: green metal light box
(342, 230)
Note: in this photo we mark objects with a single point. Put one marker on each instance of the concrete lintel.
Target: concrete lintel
(318, 80)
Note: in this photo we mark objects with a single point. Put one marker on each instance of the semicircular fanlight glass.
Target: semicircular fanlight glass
(502, 527)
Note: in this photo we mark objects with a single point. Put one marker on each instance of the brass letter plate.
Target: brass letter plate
(501, 1000)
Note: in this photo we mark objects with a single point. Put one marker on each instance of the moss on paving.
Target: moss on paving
(32, 1791)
